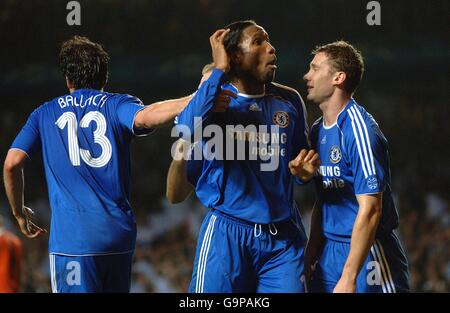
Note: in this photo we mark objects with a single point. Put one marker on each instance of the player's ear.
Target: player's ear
(339, 78)
(69, 84)
(236, 57)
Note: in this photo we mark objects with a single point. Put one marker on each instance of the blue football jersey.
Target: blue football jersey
(354, 161)
(254, 128)
(85, 142)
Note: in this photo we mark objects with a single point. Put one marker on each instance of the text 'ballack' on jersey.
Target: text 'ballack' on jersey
(85, 141)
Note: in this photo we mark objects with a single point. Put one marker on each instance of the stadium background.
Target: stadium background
(158, 49)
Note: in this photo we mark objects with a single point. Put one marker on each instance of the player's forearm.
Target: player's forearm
(178, 187)
(161, 113)
(363, 236)
(14, 184)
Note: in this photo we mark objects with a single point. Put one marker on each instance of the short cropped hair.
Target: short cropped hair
(344, 58)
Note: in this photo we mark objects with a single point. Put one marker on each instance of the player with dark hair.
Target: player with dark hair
(85, 141)
(352, 245)
(250, 241)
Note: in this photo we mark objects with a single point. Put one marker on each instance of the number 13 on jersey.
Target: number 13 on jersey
(70, 119)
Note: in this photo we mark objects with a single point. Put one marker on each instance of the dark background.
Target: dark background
(158, 49)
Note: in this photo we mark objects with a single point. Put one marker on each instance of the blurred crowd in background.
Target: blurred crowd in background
(166, 241)
(158, 49)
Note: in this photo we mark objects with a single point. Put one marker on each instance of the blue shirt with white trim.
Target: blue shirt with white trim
(236, 184)
(85, 142)
(354, 161)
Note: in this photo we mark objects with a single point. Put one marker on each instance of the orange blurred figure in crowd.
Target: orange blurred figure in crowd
(10, 260)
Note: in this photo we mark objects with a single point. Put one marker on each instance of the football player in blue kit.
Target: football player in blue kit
(85, 138)
(251, 240)
(352, 245)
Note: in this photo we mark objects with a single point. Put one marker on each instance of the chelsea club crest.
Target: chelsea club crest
(335, 154)
(281, 119)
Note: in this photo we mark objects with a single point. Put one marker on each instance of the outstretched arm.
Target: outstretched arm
(363, 236)
(160, 113)
(14, 184)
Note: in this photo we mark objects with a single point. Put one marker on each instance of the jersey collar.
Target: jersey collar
(350, 102)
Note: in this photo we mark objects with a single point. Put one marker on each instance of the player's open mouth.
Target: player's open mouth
(272, 64)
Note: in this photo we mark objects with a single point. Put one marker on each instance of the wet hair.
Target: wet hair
(344, 58)
(84, 63)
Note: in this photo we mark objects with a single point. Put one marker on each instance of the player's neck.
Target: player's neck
(332, 107)
(247, 87)
(72, 90)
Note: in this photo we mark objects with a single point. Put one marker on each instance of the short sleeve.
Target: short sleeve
(366, 153)
(28, 140)
(127, 109)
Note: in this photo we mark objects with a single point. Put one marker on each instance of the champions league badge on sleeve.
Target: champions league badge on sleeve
(372, 183)
(335, 154)
(281, 119)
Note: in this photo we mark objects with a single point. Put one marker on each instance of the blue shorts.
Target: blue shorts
(237, 256)
(97, 273)
(384, 271)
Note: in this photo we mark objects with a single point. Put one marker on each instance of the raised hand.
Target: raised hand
(305, 164)
(219, 54)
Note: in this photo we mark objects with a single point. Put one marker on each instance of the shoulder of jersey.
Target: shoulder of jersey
(317, 123)
(55, 100)
(356, 120)
(122, 97)
(117, 95)
(282, 90)
(286, 94)
(314, 129)
(346, 116)
(47, 105)
(126, 96)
